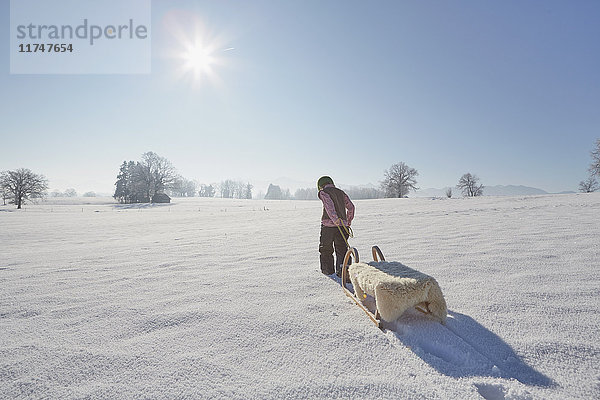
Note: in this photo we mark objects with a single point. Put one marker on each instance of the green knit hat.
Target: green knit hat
(324, 180)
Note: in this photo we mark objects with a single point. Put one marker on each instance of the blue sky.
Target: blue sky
(509, 91)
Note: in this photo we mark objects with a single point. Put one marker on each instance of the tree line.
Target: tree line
(356, 193)
(230, 189)
(70, 192)
(140, 181)
(400, 179)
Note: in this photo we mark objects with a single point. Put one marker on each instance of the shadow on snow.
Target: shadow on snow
(460, 348)
(463, 347)
(139, 206)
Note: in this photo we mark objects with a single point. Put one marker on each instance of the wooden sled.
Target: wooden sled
(352, 253)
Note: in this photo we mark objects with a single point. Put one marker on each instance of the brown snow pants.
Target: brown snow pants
(331, 239)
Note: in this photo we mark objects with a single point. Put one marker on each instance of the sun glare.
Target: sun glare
(199, 60)
(197, 52)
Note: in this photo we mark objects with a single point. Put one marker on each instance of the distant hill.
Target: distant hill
(512, 190)
(498, 190)
(432, 192)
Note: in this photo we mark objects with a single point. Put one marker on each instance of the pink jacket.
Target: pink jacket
(330, 209)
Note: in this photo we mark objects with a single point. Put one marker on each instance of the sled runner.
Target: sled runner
(395, 287)
(352, 252)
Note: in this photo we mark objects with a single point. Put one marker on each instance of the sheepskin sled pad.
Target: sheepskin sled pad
(396, 288)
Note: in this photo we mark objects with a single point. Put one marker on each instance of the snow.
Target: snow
(213, 298)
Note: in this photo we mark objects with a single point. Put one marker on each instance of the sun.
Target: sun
(197, 53)
(199, 60)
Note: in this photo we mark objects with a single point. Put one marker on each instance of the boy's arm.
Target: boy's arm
(350, 207)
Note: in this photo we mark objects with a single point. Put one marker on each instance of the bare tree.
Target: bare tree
(239, 190)
(449, 192)
(595, 166)
(4, 191)
(591, 184)
(156, 172)
(70, 192)
(182, 187)
(399, 180)
(226, 189)
(190, 188)
(588, 186)
(206, 191)
(23, 185)
(468, 185)
(230, 189)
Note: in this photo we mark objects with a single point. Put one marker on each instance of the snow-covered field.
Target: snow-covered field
(212, 298)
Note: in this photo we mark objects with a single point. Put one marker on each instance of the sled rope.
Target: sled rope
(347, 229)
